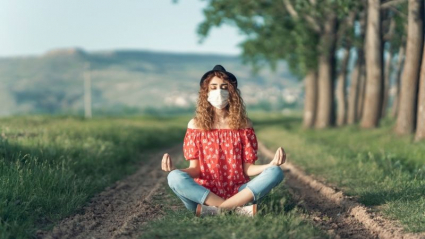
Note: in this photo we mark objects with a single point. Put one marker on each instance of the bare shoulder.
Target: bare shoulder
(192, 124)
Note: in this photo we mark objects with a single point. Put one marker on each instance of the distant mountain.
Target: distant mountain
(53, 82)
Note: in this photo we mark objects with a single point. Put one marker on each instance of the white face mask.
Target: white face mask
(218, 98)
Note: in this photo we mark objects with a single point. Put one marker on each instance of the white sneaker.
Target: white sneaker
(249, 211)
(204, 210)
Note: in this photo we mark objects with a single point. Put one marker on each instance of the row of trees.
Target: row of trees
(319, 39)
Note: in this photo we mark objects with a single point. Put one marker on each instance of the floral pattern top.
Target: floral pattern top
(221, 154)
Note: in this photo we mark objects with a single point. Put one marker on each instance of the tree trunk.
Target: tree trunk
(341, 89)
(420, 129)
(399, 69)
(353, 97)
(387, 76)
(362, 90)
(373, 94)
(355, 100)
(406, 118)
(388, 68)
(325, 111)
(310, 102)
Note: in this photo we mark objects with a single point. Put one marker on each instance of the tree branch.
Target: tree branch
(313, 23)
(347, 24)
(290, 9)
(391, 3)
(391, 30)
(396, 11)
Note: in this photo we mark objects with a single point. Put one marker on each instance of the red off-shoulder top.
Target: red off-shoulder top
(221, 153)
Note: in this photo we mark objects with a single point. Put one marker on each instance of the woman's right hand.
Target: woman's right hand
(166, 164)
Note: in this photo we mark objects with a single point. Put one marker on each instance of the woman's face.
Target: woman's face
(217, 83)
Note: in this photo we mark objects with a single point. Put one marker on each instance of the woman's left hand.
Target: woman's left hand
(279, 157)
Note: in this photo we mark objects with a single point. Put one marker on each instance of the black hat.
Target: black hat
(232, 77)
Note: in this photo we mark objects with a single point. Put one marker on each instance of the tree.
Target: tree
(374, 77)
(304, 33)
(274, 32)
(420, 130)
(313, 15)
(310, 102)
(406, 118)
(362, 92)
(396, 22)
(355, 97)
(341, 85)
(398, 70)
(323, 18)
(388, 64)
(325, 115)
(345, 38)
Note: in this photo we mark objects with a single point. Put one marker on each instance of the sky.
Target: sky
(29, 27)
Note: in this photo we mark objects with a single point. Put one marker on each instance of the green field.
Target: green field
(380, 169)
(51, 166)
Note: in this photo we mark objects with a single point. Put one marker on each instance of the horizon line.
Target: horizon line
(117, 50)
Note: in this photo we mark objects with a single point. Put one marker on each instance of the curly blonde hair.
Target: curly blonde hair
(204, 117)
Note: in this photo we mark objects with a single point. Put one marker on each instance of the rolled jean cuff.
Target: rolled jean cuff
(253, 192)
(204, 197)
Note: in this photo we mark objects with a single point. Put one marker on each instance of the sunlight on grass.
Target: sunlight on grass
(277, 218)
(51, 166)
(375, 166)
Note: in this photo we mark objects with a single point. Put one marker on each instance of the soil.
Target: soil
(122, 209)
(334, 212)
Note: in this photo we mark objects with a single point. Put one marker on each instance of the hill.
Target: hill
(130, 80)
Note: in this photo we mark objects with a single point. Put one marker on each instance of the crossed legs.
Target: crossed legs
(192, 193)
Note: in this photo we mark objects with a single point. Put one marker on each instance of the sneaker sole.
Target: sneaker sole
(198, 210)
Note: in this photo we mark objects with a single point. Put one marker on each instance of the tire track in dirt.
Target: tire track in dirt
(335, 212)
(121, 209)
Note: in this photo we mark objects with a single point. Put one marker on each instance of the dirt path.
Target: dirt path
(333, 211)
(122, 209)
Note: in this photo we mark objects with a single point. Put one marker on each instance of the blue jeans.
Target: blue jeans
(193, 194)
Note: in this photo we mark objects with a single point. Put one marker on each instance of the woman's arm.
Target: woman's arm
(193, 170)
(252, 170)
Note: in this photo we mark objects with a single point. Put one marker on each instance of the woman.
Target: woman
(221, 145)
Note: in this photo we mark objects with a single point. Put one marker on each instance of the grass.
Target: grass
(275, 220)
(278, 217)
(380, 169)
(51, 166)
